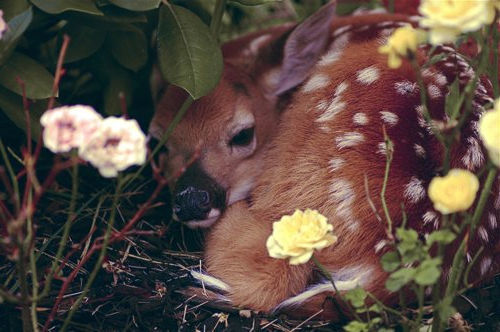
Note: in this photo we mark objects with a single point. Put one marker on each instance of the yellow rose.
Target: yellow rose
(454, 192)
(447, 19)
(297, 236)
(400, 44)
(489, 130)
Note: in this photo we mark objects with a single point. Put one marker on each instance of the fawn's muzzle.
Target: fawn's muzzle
(198, 199)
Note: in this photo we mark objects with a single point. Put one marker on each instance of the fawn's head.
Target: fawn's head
(227, 130)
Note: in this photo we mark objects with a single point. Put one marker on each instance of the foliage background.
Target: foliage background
(109, 64)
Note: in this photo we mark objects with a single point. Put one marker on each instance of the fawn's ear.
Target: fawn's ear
(304, 46)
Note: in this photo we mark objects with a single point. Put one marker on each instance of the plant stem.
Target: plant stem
(102, 254)
(67, 226)
(388, 162)
(215, 22)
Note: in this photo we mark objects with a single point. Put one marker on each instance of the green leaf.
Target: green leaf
(407, 235)
(84, 42)
(16, 28)
(390, 261)
(253, 2)
(12, 106)
(60, 6)
(189, 56)
(399, 278)
(442, 236)
(137, 5)
(356, 326)
(130, 48)
(428, 272)
(38, 81)
(356, 296)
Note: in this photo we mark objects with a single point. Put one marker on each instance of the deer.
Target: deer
(325, 143)
(231, 127)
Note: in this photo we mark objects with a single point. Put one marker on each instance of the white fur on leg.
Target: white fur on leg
(209, 281)
(325, 286)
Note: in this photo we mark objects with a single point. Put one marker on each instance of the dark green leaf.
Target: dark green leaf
(60, 6)
(189, 56)
(428, 272)
(38, 81)
(356, 296)
(390, 261)
(12, 106)
(137, 5)
(84, 42)
(13, 8)
(120, 82)
(399, 278)
(17, 26)
(130, 49)
(254, 2)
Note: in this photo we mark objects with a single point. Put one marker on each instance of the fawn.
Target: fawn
(231, 127)
(328, 140)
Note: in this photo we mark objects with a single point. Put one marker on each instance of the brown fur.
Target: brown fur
(296, 176)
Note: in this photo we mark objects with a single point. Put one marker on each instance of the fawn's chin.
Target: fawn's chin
(212, 217)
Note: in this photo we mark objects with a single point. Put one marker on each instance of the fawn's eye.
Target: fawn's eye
(243, 137)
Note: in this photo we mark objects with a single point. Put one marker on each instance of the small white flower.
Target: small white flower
(117, 144)
(3, 25)
(68, 127)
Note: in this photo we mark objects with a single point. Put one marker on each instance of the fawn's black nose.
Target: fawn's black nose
(192, 204)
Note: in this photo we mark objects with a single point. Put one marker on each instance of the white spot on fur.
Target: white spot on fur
(493, 221)
(360, 119)
(414, 190)
(405, 87)
(335, 51)
(389, 118)
(440, 79)
(368, 75)
(349, 139)
(382, 148)
(342, 195)
(271, 78)
(335, 164)
(419, 150)
(473, 157)
(336, 105)
(469, 257)
(431, 217)
(434, 91)
(316, 82)
(341, 30)
(483, 233)
(485, 265)
(380, 245)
